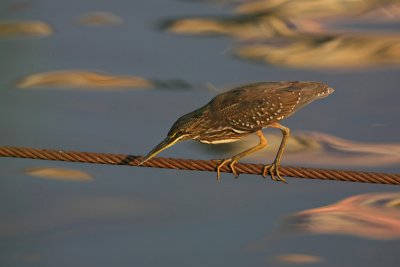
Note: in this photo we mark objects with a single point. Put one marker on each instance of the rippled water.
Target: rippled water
(113, 77)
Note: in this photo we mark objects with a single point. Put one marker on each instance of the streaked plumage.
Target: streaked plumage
(241, 111)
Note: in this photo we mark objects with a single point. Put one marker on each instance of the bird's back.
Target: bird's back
(252, 107)
(246, 109)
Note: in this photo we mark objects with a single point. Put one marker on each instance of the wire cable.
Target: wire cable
(198, 165)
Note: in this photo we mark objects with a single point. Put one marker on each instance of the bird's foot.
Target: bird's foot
(224, 162)
(273, 171)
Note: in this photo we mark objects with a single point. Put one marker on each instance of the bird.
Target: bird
(242, 111)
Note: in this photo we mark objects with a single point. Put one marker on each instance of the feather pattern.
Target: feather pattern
(252, 107)
(246, 109)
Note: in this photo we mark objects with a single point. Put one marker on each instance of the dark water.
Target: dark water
(167, 58)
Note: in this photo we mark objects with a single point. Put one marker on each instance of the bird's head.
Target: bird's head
(186, 127)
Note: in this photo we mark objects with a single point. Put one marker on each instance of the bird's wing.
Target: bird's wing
(252, 107)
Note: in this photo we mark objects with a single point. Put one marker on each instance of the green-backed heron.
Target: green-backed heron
(241, 111)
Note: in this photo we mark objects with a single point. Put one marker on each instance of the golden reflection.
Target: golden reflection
(333, 9)
(298, 259)
(323, 150)
(243, 27)
(373, 216)
(99, 18)
(328, 52)
(59, 174)
(82, 79)
(300, 33)
(24, 28)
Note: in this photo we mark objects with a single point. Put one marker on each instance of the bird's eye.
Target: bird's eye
(178, 133)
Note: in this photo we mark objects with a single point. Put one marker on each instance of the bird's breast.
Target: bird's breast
(219, 141)
(220, 135)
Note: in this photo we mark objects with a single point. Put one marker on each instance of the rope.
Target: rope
(198, 165)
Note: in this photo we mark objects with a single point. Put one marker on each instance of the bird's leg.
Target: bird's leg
(273, 169)
(233, 160)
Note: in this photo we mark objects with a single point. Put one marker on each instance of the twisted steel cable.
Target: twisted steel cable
(199, 165)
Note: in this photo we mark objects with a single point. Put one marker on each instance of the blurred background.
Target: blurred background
(112, 76)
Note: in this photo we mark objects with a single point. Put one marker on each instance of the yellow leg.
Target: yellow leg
(233, 160)
(273, 169)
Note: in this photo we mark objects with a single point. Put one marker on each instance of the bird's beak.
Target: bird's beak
(167, 142)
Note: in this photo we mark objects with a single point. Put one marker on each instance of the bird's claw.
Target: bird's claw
(232, 162)
(273, 171)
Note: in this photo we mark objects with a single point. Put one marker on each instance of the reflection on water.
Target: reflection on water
(83, 79)
(59, 174)
(99, 18)
(372, 216)
(24, 28)
(150, 217)
(294, 34)
(241, 27)
(305, 148)
(331, 9)
(342, 51)
(298, 259)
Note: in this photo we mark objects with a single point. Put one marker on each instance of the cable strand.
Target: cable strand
(199, 165)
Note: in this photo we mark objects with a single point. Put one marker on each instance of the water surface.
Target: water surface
(122, 216)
